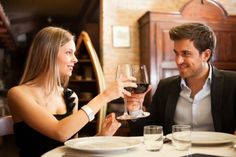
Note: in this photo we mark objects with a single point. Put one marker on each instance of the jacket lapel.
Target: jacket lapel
(216, 98)
(172, 99)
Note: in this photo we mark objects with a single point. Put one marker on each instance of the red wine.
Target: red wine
(142, 87)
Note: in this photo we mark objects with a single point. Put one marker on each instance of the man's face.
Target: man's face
(189, 61)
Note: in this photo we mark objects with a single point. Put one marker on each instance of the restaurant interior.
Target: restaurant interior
(108, 33)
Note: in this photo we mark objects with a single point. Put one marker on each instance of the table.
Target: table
(167, 150)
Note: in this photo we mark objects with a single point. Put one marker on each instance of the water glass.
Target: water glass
(153, 137)
(181, 137)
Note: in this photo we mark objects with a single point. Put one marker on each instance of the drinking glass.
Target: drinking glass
(140, 73)
(142, 81)
(153, 137)
(124, 71)
(181, 136)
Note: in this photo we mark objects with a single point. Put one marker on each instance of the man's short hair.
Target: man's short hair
(202, 35)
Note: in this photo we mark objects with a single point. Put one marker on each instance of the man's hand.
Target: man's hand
(134, 101)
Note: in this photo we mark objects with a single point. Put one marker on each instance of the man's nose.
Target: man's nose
(179, 59)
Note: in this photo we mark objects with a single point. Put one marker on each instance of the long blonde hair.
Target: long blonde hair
(41, 64)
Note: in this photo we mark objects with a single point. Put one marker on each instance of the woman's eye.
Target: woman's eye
(68, 52)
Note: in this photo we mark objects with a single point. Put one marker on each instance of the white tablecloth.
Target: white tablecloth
(167, 150)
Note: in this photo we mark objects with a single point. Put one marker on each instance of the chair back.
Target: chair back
(6, 125)
(84, 38)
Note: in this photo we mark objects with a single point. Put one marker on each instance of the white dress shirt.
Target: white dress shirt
(195, 112)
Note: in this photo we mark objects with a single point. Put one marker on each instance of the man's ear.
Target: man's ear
(206, 55)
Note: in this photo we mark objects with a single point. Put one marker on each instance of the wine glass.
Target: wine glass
(124, 71)
(140, 73)
(142, 81)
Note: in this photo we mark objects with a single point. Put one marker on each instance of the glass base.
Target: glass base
(130, 117)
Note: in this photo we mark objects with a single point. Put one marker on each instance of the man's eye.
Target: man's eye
(186, 53)
(175, 53)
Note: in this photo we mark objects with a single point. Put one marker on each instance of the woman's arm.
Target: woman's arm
(38, 118)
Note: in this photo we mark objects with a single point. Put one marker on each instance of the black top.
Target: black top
(32, 143)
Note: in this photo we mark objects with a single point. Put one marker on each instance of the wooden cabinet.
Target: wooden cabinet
(156, 48)
(88, 80)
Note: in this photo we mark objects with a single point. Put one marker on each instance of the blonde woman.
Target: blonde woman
(44, 111)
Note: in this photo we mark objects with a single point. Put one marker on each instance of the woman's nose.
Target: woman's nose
(74, 59)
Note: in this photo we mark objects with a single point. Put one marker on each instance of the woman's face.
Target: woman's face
(66, 58)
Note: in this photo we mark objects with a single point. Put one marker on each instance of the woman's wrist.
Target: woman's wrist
(89, 112)
(105, 97)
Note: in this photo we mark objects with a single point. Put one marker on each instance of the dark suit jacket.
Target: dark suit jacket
(163, 105)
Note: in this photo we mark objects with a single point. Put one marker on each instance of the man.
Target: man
(200, 95)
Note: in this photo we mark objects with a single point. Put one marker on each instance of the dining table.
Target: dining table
(167, 150)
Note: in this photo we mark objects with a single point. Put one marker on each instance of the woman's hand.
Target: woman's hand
(110, 125)
(117, 88)
(134, 101)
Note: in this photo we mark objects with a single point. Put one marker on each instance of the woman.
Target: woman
(44, 111)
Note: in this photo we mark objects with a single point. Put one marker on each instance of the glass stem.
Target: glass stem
(125, 107)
